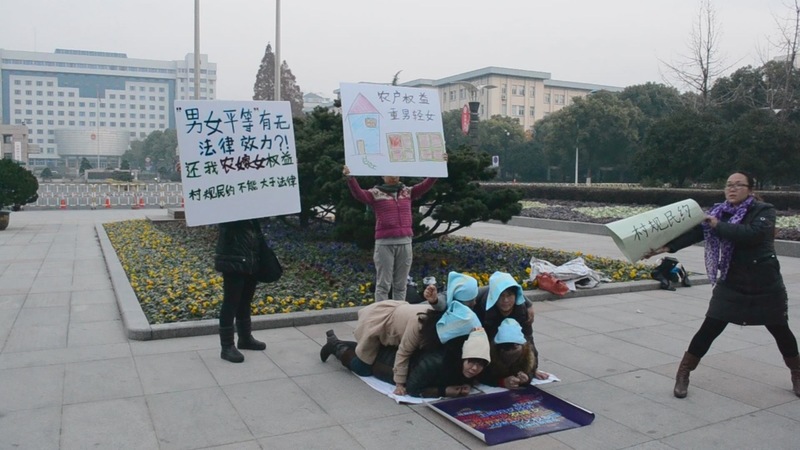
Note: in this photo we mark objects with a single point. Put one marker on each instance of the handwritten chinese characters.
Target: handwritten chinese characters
(636, 236)
(238, 159)
(392, 130)
(663, 221)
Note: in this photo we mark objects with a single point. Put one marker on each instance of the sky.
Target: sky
(612, 42)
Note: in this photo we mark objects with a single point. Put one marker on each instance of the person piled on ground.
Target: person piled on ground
(391, 203)
(503, 299)
(514, 363)
(742, 265)
(393, 323)
(450, 370)
(237, 255)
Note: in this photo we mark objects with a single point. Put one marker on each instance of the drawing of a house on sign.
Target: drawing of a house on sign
(365, 126)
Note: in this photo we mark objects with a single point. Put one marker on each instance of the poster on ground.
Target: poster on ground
(237, 160)
(392, 130)
(513, 414)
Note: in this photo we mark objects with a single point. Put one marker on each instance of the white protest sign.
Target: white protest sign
(393, 130)
(637, 235)
(238, 160)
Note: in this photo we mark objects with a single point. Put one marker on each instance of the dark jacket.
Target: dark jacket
(430, 371)
(753, 292)
(495, 373)
(238, 247)
(491, 319)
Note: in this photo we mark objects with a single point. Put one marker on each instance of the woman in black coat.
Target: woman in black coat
(238, 250)
(741, 263)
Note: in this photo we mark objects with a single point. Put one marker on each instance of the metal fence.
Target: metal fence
(117, 195)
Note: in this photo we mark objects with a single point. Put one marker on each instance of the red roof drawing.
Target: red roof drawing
(362, 106)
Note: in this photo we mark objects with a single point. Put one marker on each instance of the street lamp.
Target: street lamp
(277, 83)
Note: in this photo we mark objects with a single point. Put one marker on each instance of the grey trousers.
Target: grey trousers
(392, 264)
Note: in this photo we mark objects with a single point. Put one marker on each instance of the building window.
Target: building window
(532, 92)
(559, 99)
(532, 111)
(518, 90)
(518, 110)
(547, 99)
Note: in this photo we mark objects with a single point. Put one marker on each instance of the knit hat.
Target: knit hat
(499, 282)
(509, 332)
(457, 321)
(460, 287)
(476, 346)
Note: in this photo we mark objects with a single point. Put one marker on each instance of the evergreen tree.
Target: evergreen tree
(264, 87)
(85, 165)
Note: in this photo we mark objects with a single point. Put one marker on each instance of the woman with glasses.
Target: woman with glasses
(741, 263)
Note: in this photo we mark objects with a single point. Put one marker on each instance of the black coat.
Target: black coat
(753, 292)
(430, 372)
(492, 318)
(238, 247)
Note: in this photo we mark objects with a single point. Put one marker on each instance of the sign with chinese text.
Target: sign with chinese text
(238, 160)
(514, 414)
(393, 130)
(637, 235)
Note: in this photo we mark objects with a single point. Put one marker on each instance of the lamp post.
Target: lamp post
(277, 50)
(577, 132)
(196, 49)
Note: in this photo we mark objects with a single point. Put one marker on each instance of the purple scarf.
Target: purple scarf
(719, 250)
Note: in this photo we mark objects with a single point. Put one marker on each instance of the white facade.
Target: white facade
(523, 94)
(92, 91)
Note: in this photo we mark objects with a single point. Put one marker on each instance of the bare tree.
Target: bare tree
(781, 92)
(703, 64)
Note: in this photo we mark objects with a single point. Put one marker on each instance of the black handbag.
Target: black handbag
(269, 268)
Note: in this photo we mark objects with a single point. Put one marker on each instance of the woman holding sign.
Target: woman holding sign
(741, 263)
(391, 202)
(237, 256)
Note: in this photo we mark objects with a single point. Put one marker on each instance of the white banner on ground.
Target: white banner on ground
(238, 160)
(392, 130)
(637, 235)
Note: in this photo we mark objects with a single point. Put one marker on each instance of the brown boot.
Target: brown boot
(330, 346)
(793, 364)
(688, 364)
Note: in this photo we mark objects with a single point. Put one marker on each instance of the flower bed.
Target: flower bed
(171, 268)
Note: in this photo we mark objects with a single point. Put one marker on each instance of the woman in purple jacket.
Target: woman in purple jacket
(391, 202)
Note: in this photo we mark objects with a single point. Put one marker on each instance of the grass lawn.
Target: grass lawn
(171, 267)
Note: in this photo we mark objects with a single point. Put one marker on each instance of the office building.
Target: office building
(523, 94)
(86, 104)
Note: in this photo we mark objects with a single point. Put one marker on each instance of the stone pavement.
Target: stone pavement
(71, 379)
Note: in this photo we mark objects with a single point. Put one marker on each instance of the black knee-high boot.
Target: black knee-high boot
(246, 339)
(229, 352)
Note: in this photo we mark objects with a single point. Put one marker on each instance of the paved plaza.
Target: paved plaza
(71, 379)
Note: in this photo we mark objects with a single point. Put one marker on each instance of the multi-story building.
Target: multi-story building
(14, 144)
(313, 100)
(523, 94)
(90, 104)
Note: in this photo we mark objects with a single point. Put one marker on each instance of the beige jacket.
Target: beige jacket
(390, 323)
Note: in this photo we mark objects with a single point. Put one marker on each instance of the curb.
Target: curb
(139, 329)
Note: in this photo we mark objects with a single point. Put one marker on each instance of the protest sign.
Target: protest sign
(392, 130)
(238, 160)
